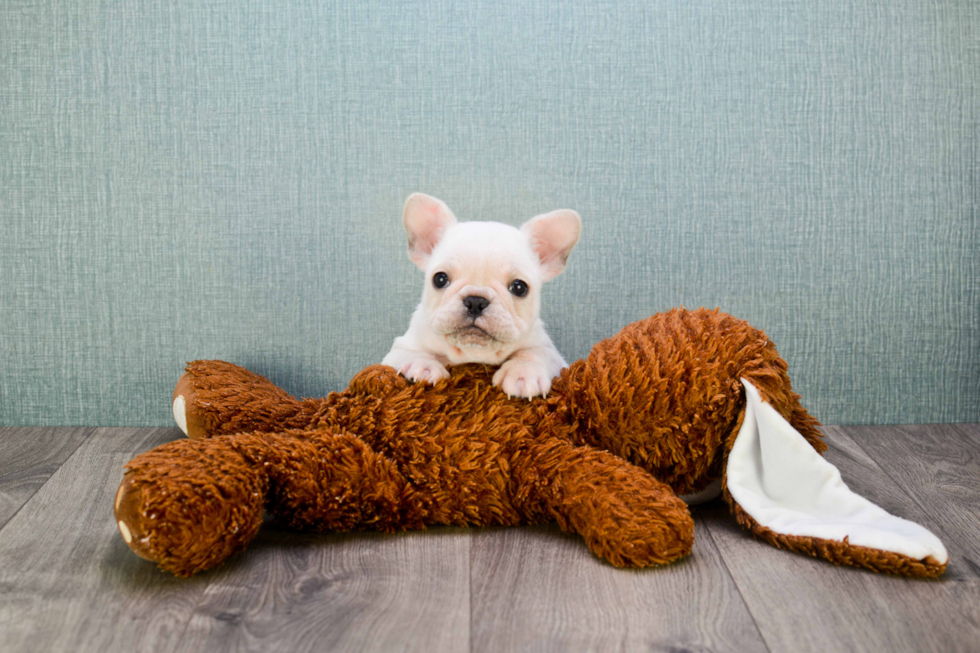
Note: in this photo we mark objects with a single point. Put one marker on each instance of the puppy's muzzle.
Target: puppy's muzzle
(474, 305)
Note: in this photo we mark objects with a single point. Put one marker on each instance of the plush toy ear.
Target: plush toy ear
(786, 493)
(426, 219)
(553, 235)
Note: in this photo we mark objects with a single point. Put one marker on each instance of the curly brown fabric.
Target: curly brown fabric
(650, 414)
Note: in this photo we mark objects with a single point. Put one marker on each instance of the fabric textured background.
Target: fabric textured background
(224, 179)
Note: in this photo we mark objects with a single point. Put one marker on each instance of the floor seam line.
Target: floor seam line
(897, 482)
(738, 588)
(89, 430)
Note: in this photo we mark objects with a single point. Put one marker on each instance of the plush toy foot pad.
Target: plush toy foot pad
(127, 510)
(184, 398)
(788, 494)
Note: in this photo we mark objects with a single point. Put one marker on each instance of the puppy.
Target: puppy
(482, 296)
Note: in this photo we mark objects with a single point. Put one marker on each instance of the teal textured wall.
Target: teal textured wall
(198, 179)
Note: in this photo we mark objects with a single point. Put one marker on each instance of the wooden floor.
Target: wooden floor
(68, 582)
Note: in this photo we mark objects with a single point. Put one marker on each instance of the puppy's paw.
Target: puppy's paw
(521, 378)
(428, 370)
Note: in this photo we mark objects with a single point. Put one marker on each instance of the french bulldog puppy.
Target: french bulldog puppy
(482, 295)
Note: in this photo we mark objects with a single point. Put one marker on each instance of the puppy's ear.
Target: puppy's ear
(426, 219)
(553, 235)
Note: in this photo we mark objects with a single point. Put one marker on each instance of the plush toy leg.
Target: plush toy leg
(188, 505)
(782, 490)
(215, 397)
(625, 515)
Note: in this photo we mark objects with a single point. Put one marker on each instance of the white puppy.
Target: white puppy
(482, 295)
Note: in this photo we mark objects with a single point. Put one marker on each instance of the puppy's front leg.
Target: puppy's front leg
(413, 363)
(528, 373)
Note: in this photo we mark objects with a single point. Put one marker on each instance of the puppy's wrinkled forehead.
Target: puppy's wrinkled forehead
(485, 248)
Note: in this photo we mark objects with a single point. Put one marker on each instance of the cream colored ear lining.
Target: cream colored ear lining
(713, 491)
(786, 486)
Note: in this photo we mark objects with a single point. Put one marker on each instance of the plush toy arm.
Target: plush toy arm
(624, 514)
(189, 505)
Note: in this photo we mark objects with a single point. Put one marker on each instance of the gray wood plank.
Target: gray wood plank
(803, 604)
(67, 580)
(28, 458)
(344, 592)
(938, 465)
(539, 589)
(971, 431)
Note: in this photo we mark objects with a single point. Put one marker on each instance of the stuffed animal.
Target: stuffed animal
(681, 403)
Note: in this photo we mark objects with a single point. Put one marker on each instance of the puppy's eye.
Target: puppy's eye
(518, 288)
(440, 280)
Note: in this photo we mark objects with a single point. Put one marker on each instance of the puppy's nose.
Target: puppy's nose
(474, 305)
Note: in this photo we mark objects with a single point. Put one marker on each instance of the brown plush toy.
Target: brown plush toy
(678, 404)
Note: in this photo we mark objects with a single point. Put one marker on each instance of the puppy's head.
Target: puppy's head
(483, 280)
